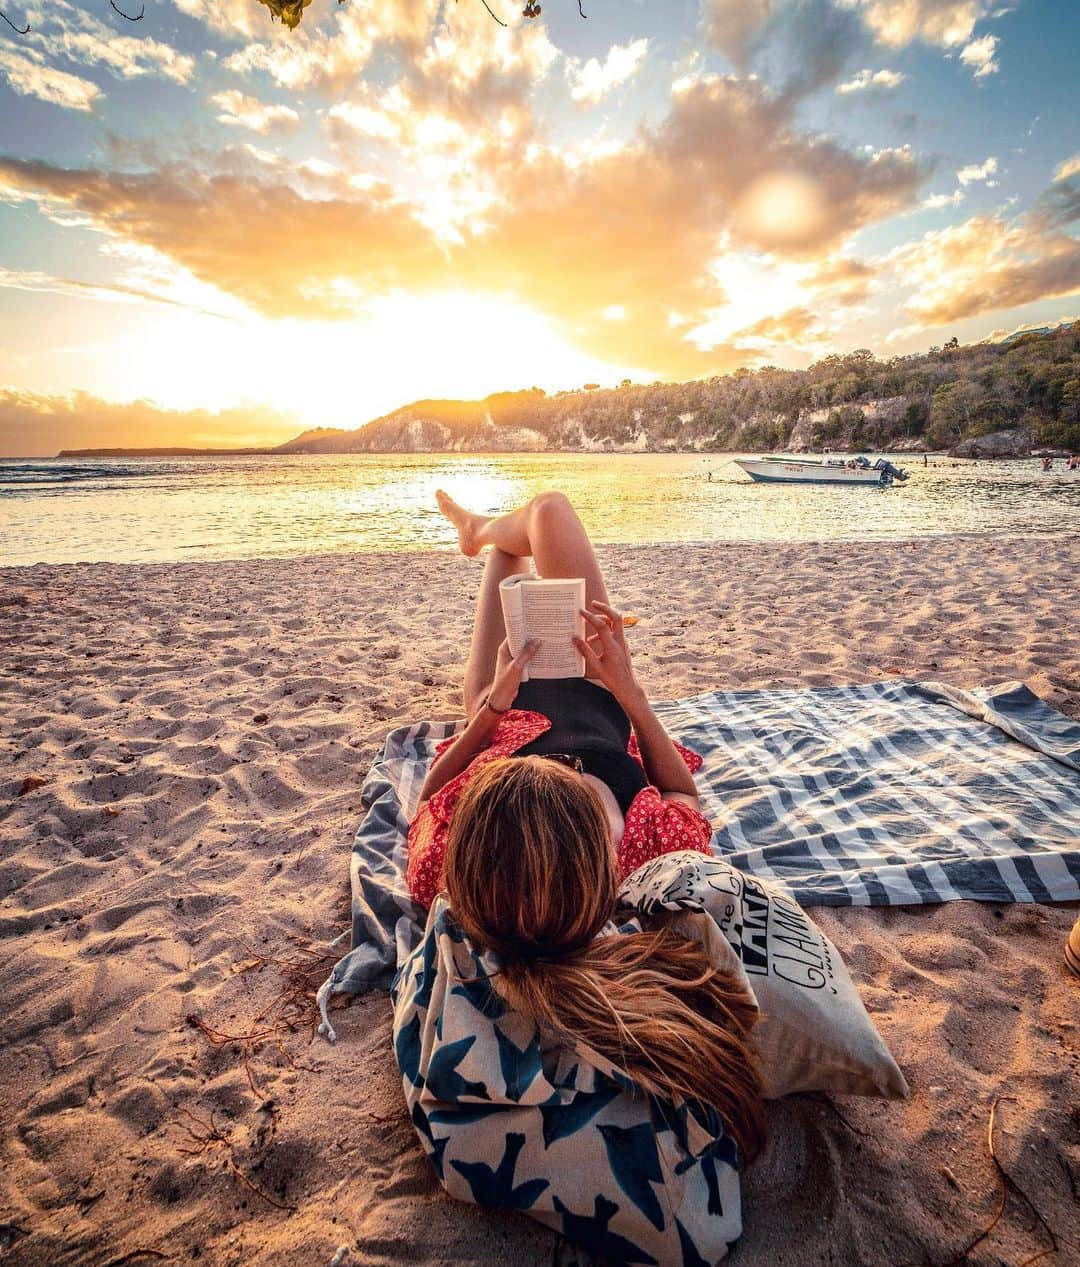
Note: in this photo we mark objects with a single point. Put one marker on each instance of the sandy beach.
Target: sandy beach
(182, 752)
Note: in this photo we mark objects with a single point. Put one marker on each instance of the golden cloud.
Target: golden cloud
(986, 264)
(244, 18)
(239, 110)
(794, 326)
(34, 280)
(262, 242)
(330, 56)
(946, 23)
(1067, 167)
(636, 226)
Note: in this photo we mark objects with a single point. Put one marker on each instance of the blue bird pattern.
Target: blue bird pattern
(513, 1121)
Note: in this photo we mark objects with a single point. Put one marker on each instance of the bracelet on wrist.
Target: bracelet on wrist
(491, 707)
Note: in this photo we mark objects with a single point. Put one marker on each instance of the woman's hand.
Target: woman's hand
(508, 671)
(607, 657)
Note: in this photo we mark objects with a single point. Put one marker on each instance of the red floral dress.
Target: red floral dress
(652, 826)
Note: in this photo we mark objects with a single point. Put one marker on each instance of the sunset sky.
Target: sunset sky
(402, 199)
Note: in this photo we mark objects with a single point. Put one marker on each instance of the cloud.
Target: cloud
(238, 110)
(843, 278)
(1067, 167)
(980, 54)
(379, 119)
(1003, 332)
(61, 29)
(592, 81)
(796, 325)
(235, 18)
(639, 228)
(935, 202)
(865, 80)
(330, 54)
(570, 234)
(734, 27)
(455, 115)
(36, 425)
(822, 33)
(946, 23)
(775, 307)
(262, 242)
(979, 173)
(452, 160)
(113, 292)
(985, 264)
(796, 45)
(27, 74)
(1060, 204)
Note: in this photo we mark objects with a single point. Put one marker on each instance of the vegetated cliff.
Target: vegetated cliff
(1026, 386)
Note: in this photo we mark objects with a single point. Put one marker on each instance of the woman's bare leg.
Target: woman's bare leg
(546, 528)
(489, 628)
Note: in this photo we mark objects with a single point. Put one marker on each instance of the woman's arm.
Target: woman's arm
(607, 659)
(473, 739)
(663, 762)
(477, 734)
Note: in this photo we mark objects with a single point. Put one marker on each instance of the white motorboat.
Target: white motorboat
(780, 470)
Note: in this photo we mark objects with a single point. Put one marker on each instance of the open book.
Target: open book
(549, 609)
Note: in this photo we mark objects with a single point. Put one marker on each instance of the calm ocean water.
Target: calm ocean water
(228, 508)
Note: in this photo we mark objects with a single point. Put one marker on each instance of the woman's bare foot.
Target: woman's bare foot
(466, 523)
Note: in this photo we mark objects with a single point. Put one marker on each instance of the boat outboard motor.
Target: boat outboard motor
(889, 472)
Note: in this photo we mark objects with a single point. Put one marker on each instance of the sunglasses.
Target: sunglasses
(566, 759)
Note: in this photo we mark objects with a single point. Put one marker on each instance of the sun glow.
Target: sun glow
(781, 209)
(400, 348)
(757, 287)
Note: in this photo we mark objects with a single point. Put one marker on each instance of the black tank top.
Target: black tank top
(587, 722)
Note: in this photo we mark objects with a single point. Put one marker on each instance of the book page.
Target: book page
(552, 611)
(513, 617)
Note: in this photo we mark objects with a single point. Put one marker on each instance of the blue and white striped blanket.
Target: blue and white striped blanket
(890, 794)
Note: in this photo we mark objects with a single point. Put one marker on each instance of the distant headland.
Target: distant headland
(162, 453)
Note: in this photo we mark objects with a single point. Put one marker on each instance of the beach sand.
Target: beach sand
(202, 731)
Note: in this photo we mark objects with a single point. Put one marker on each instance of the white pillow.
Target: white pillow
(814, 1034)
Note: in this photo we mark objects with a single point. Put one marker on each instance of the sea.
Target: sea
(154, 509)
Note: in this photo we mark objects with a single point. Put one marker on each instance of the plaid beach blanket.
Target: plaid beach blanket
(889, 794)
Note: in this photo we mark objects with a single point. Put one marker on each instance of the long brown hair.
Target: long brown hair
(531, 874)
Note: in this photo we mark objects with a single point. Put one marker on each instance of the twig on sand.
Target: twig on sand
(208, 1137)
(828, 1102)
(1007, 1184)
(235, 1169)
(132, 1255)
(292, 1009)
(248, 1043)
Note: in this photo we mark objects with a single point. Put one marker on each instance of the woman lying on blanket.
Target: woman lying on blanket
(555, 791)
